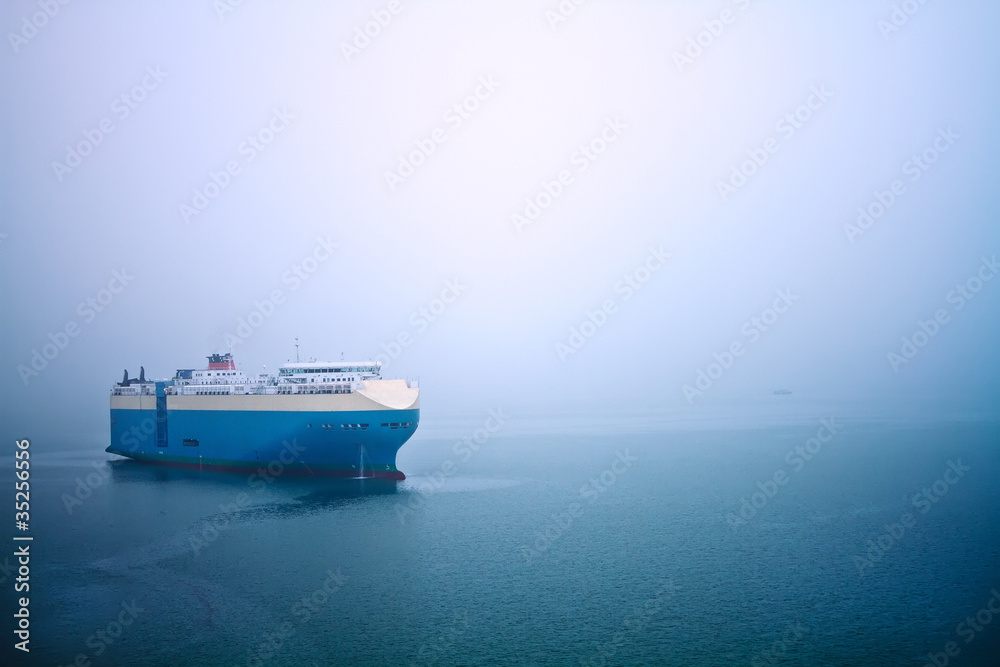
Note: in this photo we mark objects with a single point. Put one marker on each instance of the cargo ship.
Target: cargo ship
(328, 418)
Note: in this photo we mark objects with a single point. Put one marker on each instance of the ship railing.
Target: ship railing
(132, 391)
(290, 389)
(269, 390)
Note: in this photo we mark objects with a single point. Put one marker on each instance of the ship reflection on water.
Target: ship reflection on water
(250, 490)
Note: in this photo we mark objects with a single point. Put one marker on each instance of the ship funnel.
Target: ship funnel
(125, 379)
(142, 374)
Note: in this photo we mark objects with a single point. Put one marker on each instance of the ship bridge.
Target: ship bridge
(326, 377)
(222, 378)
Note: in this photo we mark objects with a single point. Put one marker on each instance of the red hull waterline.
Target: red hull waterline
(394, 475)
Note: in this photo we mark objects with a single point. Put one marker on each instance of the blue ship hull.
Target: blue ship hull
(335, 442)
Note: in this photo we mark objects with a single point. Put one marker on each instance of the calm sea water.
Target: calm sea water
(556, 540)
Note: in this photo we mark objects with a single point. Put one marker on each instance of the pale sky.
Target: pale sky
(187, 162)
